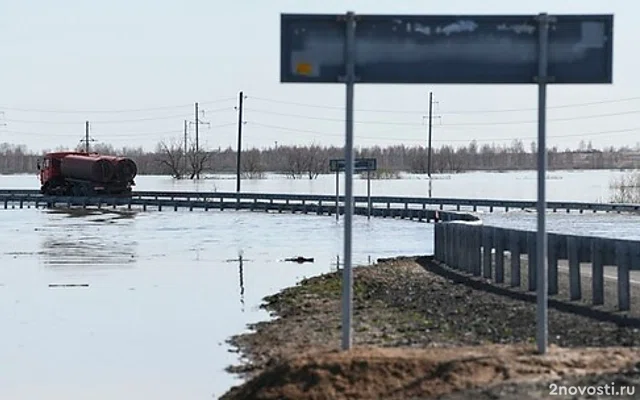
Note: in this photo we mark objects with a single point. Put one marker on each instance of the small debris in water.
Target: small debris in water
(68, 285)
(299, 259)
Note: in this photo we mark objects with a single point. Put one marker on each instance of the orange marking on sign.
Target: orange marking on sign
(304, 68)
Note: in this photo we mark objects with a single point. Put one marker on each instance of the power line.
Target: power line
(459, 112)
(396, 123)
(597, 133)
(113, 121)
(120, 134)
(130, 110)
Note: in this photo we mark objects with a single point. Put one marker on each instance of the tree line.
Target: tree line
(307, 162)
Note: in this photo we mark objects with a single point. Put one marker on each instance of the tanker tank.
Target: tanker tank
(125, 168)
(87, 168)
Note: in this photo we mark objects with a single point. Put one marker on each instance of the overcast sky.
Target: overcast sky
(143, 65)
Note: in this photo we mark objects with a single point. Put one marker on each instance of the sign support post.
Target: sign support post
(337, 195)
(541, 239)
(347, 277)
(368, 194)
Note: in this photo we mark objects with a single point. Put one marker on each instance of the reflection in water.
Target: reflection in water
(337, 263)
(88, 237)
(240, 261)
(430, 187)
(241, 273)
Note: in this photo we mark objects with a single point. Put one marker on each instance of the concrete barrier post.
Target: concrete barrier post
(498, 243)
(622, 259)
(573, 251)
(487, 247)
(597, 271)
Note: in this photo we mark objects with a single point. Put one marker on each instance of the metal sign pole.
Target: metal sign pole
(347, 277)
(541, 240)
(368, 194)
(337, 194)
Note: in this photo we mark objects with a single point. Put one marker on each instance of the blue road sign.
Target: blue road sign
(360, 165)
(447, 49)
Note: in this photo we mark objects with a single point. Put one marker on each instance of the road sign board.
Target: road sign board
(446, 49)
(360, 165)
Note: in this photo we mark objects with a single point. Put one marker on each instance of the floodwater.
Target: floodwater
(147, 299)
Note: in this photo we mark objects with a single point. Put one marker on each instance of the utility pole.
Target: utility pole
(197, 159)
(186, 151)
(240, 122)
(429, 118)
(86, 136)
(197, 138)
(86, 139)
(430, 128)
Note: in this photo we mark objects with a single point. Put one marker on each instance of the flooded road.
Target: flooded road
(148, 299)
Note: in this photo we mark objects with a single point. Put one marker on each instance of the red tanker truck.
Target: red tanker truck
(86, 174)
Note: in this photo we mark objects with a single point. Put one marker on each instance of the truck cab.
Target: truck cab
(50, 173)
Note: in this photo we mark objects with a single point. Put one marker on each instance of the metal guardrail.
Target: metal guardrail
(254, 202)
(471, 247)
(459, 204)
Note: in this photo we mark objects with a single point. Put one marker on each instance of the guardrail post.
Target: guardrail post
(514, 250)
(552, 263)
(532, 274)
(459, 249)
(452, 258)
(463, 240)
(573, 252)
(437, 241)
(498, 243)
(487, 247)
(476, 231)
(465, 243)
(622, 259)
(470, 244)
(451, 249)
(597, 271)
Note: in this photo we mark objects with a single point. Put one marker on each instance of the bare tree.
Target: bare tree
(171, 156)
(626, 189)
(252, 167)
(316, 161)
(294, 162)
(197, 160)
